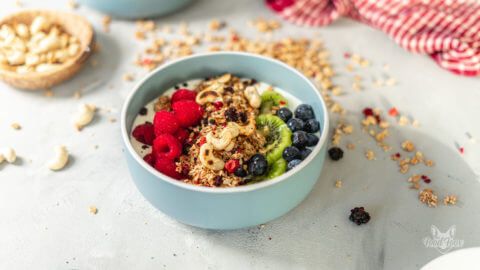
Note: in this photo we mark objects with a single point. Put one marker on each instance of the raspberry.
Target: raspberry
(168, 167)
(150, 159)
(183, 94)
(181, 135)
(144, 134)
(218, 105)
(367, 112)
(232, 165)
(188, 112)
(165, 122)
(166, 146)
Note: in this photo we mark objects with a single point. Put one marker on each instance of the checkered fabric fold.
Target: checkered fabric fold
(447, 30)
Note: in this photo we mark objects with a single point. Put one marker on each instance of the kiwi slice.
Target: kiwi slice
(271, 98)
(277, 168)
(276, 132)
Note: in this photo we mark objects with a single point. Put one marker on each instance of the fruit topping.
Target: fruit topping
(144, 134)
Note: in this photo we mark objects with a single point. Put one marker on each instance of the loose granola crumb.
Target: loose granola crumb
(365, 63)
(72, 4)
(93, 210)
(95, 146)
(336, 91)
(77, 95)
(415, 123)
(16, 126)
(215, 25)
(450, 200)
(427, 196)
(112, 120)
(390, 81)
(338, 183)
(356, 86)
(408, 146)
(106, 23)
(48, 93)
(402, 121)
(127, 77)
(429, 163)
(370, 155)
(414, 186)
(351, 146)
(357, 78)
(414, 178)
(378, 83)
(349, 68)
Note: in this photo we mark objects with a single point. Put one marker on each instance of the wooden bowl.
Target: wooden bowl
(74, 25)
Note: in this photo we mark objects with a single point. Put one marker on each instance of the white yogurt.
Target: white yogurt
(293, 102)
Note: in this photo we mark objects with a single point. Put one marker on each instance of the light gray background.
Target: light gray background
(45, 222)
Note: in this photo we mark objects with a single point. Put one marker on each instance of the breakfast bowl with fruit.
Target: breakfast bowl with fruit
(225, 140)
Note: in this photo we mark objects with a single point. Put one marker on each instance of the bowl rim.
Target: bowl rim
(222, 190)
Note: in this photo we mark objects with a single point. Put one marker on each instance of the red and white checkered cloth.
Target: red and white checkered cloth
(448, 30)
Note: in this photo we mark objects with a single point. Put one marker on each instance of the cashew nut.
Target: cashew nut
(22, 30)
(218, 84)
(230, 147)
(253, 96)
(245, 130)
(84, 116)
(208, 96)
(46, 67)
(231, 131)
(8, 154)
(60, 160)
(222, 142)
(208, 159)
(39, 23)
(16, 58)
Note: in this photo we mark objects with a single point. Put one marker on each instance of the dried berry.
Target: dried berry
(359, 215)
(231, 115)
(335, 153)
(143, 111)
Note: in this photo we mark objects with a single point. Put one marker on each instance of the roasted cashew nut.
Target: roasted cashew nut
(208, 159)
(230, 146)
(8, 154)
(226, 136)
(218, 84)
(253, 97)
(207, 95)
(84, 116)
(245, 130)
(222, 142)
(60, 160)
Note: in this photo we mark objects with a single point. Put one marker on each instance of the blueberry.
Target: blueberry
(285, 114)
(304, 112)
(311, 126)
(312, 140)
(304, 153)
(299, 139)
(292, 164)
(295, 124)
(257, 165)
(240, 172)
(290, 153)
(335, 153)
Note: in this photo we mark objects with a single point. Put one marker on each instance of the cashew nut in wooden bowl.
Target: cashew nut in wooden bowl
(26, 73)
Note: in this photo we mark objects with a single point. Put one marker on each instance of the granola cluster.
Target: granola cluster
(234, 107)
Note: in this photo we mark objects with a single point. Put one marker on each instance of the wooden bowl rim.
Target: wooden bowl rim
(80, 58)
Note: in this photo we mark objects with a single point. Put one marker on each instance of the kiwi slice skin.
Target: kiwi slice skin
(277, 168)
(271, 98)
(277, 133)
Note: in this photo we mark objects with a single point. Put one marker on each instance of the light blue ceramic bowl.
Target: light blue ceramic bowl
(225, 208)
(133, 9)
